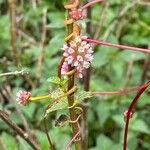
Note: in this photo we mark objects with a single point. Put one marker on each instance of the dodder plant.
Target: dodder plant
(77, 56)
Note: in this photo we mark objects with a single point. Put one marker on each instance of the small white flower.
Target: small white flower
(69, 59)
(79, 58)
(86, 64)
(70, 50)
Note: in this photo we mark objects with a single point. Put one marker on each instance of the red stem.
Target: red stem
(74, 138)
(130, 111)
(91, 3)
(117, 45)
(59, 67)
(134, 89)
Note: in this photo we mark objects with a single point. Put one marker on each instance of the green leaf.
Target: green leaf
(9, 141)
(83, 95)
(105, 143)
(54, 80)
(61, 104)
(57, 81)
(139, 126)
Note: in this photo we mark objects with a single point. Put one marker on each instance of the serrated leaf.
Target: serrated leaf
(83, 95)
(57, 81)
(54, 80)
(61, 104)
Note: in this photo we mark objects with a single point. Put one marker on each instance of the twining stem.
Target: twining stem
(71, 100)
(116, 45)
(48, 107)
(72, 140)
(130, 111)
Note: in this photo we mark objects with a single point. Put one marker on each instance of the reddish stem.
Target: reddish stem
(134, 89)
(59, 67)
(130, 111)
(91, 3)
(74, 138)
(116, 45)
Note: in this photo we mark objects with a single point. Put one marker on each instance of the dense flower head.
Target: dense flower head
(23, 97)
(78, 54)
(77, 14)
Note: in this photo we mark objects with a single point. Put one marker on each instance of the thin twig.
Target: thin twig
(27, 37)
(42, 43)
(12, 13)
(3, 146)
(18, 130)
(129, 73)
(146, 68)
(47, 134)
(115, 20)
(34, 4)
(22, 72)
(101, 20)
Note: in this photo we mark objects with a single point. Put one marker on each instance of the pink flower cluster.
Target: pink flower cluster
(23, 97)
(77, 14)
(78, 54)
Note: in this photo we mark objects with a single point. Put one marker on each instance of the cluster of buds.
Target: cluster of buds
(77, 14)
(78, 54)
(23, 97)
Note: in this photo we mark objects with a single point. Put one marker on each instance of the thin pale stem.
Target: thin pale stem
(116, 45)
(47, 134)
(39, 98)
(22, 72)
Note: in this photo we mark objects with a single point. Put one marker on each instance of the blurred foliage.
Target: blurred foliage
(109, 72)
